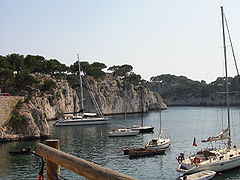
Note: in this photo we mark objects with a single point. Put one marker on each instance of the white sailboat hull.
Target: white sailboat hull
(159, 144)
(230, 160)
(123, 132)
(218, 167)
(82, 122)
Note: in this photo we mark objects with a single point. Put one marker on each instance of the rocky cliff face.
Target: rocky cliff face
(29, 119)
(115, 98)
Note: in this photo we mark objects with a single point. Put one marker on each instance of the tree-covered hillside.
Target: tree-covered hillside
(176, 88)
(16, 72)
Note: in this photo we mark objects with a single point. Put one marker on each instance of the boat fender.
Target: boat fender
(196, 160)
(40, 177)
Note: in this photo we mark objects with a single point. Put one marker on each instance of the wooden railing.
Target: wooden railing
(56, 158)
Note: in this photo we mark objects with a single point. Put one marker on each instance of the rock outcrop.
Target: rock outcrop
(7, 104)
(29, 119)
(114, 97)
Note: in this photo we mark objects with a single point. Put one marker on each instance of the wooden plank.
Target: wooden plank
(80, 166)
(52, 168)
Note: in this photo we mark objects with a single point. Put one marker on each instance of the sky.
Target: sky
(180, 37)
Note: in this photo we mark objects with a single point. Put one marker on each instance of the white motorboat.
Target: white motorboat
(123, 132)
(202, 175)
(224, 157)
(83, 118)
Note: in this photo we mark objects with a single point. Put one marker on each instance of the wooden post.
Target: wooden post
(80, 166)
(52, 168)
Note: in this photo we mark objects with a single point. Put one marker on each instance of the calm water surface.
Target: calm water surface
(92, 144)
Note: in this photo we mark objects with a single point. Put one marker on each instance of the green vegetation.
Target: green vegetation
(180, 86)
(125, 72)
(17, 72)
(95, 69)
(48, 85)
(121, 71)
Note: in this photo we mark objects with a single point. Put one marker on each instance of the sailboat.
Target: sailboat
(214, 159)
(161, 142)
(143, 129)
(83, 118)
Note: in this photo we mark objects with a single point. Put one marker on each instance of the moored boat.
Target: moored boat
(141, 152)
(143, 129)
(227, 155)
(81, 121)
(83, 118)
(123, 132)
(158, 143)
(202, 175)
(161, 141)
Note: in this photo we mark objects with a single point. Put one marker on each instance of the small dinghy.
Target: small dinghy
(202, 175)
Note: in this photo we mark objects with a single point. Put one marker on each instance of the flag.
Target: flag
(194, 142)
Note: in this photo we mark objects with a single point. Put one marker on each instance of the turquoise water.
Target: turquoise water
(92, 144)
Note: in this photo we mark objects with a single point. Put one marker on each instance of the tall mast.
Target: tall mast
(80, 81)
(226, 78)
(142, 105)
(160, 114)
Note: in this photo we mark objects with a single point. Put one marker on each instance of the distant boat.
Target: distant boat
(220, 158)
(82, 118)
(202, 175)
(161, 141)
(142, 152)
(123, 132)
(143, 129)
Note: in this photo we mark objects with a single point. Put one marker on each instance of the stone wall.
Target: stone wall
(7, 104)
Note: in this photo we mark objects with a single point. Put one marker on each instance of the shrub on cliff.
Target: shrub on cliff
(6, 79)
(23, 79)
(133, 78)
(95, 69)
(121, 71)
(48, 85)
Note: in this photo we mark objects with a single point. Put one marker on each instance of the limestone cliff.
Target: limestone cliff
(114, 97)
(29, 119)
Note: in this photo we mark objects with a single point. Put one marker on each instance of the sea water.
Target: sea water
(92, 143)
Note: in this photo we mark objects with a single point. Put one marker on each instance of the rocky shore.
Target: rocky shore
(29, 119)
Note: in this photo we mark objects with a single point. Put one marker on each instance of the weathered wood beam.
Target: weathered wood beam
(80, 166)
(52, 168)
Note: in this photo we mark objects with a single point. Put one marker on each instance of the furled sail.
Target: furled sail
(223, 135)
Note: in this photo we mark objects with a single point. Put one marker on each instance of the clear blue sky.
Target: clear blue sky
(181, 37)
